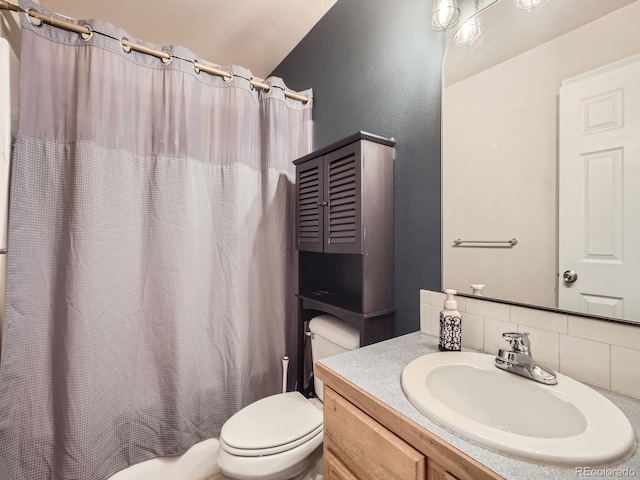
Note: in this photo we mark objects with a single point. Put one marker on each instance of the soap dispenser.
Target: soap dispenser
(450, 325)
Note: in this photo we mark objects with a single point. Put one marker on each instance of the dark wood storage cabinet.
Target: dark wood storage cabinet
(344, 236)
(330, 200)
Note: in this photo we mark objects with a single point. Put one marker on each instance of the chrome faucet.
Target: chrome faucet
(518, 360)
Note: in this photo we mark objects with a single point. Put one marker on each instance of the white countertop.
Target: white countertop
(377, 369)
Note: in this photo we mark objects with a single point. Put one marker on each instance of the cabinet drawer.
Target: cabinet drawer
(365, 447)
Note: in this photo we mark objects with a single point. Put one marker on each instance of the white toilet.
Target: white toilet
(273, 438)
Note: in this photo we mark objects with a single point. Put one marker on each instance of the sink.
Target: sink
(568, 424)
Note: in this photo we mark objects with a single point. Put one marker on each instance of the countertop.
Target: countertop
(377, 369)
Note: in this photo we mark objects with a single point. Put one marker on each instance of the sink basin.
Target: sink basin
(568, 424)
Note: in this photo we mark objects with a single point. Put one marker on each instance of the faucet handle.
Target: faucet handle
(519, 341)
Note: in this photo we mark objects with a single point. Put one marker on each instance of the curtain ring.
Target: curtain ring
(195, 67)
(228, 79)
(87, 36)
(167, 61)
(126, 48)
(267, 90)
(36, 22)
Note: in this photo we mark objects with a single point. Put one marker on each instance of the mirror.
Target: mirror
(516, 105)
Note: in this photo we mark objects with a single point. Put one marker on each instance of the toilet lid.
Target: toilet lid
(272, 422)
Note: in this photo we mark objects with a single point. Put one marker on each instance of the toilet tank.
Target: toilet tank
(331, 336)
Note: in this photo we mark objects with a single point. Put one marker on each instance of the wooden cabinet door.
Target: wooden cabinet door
(364, 446)
(310, 205)
(343, 216)
(436, 472)
(334, 469)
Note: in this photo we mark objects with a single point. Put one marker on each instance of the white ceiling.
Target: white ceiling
(255, 34)
(259, 34)
(508, 31)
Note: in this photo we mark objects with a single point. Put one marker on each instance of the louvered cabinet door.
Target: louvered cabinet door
(343, 219)
(310, 205)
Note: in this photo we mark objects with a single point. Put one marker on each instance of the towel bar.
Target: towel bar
(458, 242)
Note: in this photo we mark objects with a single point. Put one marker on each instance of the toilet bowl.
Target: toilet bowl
(274, 438)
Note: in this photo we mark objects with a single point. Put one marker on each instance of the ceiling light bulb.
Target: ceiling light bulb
(468, 33)
(445, 14)
(529, 5)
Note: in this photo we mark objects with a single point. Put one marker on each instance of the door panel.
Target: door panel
(603, 205)
(310, 212)
(343, 217)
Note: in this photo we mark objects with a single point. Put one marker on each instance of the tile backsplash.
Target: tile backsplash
(605, 354)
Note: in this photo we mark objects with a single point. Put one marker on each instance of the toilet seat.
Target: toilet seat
(272, 425)
(279, 466)
(243, 452)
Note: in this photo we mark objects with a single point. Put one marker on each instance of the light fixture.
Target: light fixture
(445, 14)
(529, 5)
(468, 33)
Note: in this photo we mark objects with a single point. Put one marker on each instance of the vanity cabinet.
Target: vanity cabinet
(344, 237)
(365, 448)
(364, 439)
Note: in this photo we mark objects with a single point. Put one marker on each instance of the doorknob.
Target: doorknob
(569, 276)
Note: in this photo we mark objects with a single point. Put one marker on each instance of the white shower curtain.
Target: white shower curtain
(149, 291)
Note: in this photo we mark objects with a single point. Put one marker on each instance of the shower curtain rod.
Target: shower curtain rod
(163, 55)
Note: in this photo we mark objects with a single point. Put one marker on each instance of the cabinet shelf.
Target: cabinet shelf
(337, 308)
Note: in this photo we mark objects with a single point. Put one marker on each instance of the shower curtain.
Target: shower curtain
(149, 289)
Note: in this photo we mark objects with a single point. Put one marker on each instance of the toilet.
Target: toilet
(274, 438)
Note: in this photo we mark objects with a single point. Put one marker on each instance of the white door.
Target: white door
(5, 150)
(599, 192)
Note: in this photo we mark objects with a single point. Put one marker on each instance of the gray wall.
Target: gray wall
(375, 65)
